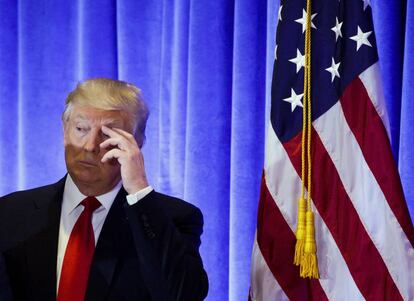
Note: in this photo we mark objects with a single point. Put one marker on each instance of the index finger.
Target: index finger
(111, 132)
(123, 132)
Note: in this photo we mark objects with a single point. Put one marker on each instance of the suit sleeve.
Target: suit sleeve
(167, 248)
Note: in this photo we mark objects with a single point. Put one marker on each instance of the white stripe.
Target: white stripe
(264, 286)
(284, 185)
(368, 199)
(371, 78)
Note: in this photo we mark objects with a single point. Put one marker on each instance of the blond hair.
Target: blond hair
(109, 94)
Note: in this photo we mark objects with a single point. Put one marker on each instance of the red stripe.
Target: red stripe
(329, 196)
(372, 138)
(277, 244)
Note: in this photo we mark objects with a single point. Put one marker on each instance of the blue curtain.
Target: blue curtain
(205, 69)
(394, 29)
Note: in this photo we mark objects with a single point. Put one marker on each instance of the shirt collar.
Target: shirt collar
(72, 197)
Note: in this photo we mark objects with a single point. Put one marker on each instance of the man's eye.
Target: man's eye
(80, 129)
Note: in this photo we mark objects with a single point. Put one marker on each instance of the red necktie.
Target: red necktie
(78, 256)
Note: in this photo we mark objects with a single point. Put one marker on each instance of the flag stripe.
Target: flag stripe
(370, 204)
(372, 138)
(336, 209)
(371, 78)
(276, 241)
(264, 285)
(284, 185)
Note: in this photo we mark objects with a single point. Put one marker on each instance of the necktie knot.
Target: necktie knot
(91, 204)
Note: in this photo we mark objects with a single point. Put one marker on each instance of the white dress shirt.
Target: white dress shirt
(71, 210)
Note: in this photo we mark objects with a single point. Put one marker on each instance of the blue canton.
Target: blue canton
(343, 46)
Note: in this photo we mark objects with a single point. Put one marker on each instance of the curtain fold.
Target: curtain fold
(8, 97)
(97, 39)
(388, 17)
(406, 145)
(205, 71)
(207, 150)
(247, 132)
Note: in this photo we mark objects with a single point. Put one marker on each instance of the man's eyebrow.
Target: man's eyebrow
(112, 122)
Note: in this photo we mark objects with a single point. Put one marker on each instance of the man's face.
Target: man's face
(82, 136)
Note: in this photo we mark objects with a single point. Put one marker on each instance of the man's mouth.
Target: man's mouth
(88, 163)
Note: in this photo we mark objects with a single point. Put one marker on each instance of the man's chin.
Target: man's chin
(91, 182)
(88, 183)
(85, 178)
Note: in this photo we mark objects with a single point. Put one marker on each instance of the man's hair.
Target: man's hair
(108, 94)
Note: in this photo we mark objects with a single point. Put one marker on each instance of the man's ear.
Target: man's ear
(65, 132)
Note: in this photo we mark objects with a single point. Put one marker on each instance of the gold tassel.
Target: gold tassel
(300, 232)
(309, 264)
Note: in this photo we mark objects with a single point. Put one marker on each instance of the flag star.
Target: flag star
(299, 60)
(361, 38)
(275, 52)
(333, 70)
(294, 100)
(337, 29)
(366, 3)
(303, 21)
(279, 14)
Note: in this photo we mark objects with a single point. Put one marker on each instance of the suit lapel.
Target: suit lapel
(108, 250)
(41, 247)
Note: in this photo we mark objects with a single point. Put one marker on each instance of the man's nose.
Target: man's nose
(92, 143)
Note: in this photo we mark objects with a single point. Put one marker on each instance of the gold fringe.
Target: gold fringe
(309, 263)
(300, 232)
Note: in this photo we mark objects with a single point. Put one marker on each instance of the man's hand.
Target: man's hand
(129, 156)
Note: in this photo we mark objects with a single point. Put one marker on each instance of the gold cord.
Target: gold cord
(305, 249)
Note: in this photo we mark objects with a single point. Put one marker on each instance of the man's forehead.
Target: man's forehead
(98, 115)
(81, 117)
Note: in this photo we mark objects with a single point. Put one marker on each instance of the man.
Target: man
(101, 232)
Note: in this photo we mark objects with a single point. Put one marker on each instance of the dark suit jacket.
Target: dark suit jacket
(148, 251)
(5, 293)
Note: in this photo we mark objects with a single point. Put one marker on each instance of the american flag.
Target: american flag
(364, 233)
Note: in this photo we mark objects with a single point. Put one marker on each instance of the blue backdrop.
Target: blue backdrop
(204, 68)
